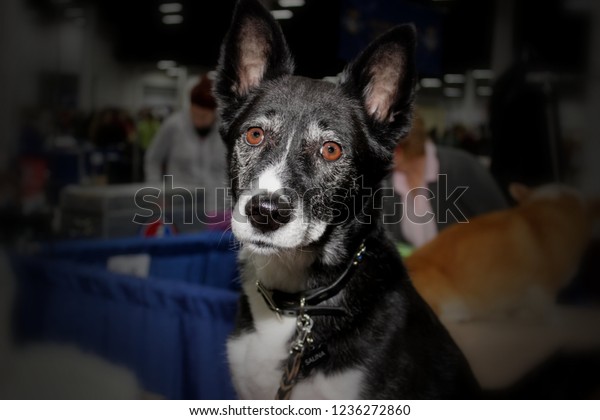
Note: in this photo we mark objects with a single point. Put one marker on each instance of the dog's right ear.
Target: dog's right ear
(254, 50)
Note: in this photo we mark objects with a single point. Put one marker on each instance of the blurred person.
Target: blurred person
(147, 126)
(433, 179)
(525, 147)
(113, 133)
(188, 146)
(111, 127)
(465, 139)
(32, 139)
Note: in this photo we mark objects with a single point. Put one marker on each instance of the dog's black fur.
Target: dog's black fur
(389, 332)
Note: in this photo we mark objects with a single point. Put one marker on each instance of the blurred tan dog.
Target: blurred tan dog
(506, 263)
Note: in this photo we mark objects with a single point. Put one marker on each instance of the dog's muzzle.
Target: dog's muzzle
(267, 212)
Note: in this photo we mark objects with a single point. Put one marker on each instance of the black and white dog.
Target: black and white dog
(303, 157)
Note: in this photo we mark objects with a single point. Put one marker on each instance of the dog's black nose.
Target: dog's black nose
(267, 212)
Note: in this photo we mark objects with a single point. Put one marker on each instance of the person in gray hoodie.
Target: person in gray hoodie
(188, 147)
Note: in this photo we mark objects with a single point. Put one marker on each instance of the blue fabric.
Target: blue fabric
(169, 328)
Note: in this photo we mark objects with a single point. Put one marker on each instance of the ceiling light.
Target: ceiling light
(166, 64)
(453, 92)
(172, 19)
(291, 3)
(174, 72)
(282, 14)
(483, 74)
(454, 78)
(170, 8)
(484, 91)
(431, 82)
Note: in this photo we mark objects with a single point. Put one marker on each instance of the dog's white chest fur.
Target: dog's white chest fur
(256, 357)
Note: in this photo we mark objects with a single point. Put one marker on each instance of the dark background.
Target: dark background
(554, 37)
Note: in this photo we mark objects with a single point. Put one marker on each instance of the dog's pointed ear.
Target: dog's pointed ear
(519, 192)
(254, 50)
(383, 78)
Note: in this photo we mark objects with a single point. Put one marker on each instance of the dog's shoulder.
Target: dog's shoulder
(404, 331)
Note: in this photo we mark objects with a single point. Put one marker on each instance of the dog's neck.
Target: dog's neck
(292, 271)
(285, 271)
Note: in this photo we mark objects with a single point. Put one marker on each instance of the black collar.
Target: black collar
(293, 304)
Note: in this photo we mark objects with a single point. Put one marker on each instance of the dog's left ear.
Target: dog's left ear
(383, 78)
(254, 50)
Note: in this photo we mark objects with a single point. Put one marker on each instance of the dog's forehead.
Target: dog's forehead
(296, 98)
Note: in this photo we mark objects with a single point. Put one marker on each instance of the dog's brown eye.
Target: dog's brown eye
(255, 136)
(331, 151)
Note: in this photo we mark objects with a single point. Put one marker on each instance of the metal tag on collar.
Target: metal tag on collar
(304, 324)
(358, 257)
